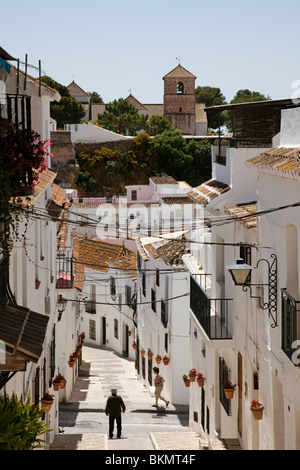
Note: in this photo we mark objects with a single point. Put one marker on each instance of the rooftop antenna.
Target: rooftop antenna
(178, 58)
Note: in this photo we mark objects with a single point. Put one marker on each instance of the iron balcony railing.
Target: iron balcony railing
(290, 311)
(16, 109)
(212, 314)
(64, 269)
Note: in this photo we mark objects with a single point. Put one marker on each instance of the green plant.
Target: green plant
(185, 377)
(193, 372)
(20, 424)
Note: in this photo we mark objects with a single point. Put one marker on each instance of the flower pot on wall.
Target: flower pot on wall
(229, 389)
(200, 379)
(186, 380)
(229, 393)
(257, 409)
(47, 401)
(166, 360)
(143, 352)
(192, 375)
(158, 359)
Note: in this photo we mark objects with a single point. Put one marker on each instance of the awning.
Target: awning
(22, 334)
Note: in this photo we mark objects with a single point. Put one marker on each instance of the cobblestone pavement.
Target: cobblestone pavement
(85, 425)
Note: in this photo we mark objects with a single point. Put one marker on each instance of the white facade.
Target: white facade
(248, 352)
(163, 321)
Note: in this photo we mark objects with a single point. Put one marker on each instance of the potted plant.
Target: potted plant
(47, 400)
(166, 360)
(229, 389)
(192, 375)
(82, 336)
(257, 409)
(56, 383)
(158, 359)
(150, 354)
(200, 379)
(134, 344)
(129, 333)
(72, 359)
(186, 380)
(22, 425)
(63, 381)
(143, 352)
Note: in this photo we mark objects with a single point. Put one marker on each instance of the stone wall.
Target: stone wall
(62, 149)
(92, 146)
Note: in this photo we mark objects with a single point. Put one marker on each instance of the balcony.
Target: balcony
(212, 314)
(16, 110)
(64, 269)
(290, 311)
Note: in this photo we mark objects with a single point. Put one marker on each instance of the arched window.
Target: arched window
(179, 88)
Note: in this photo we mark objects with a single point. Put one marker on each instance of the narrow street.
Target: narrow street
(84, 424)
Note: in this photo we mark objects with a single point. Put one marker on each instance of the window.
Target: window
(112, 286)
(144, 284)
(153, 298)
(245, 254)
(180, 88)
(164, 313)
(128, 295)
(133, 195)
(116, 328)
(157, 277)
(150, 371)
(92, 329)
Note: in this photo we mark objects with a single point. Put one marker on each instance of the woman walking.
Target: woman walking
(159, 385)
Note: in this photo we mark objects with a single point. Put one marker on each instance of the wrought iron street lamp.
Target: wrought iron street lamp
(61, 304)
(240, 273)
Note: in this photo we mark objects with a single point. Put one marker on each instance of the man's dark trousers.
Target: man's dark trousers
(111, 425)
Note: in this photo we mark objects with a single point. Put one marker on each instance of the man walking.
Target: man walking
(114, 406)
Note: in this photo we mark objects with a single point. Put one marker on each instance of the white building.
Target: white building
(162, 314)
(232, 337)
(33, 348)
(105, 277)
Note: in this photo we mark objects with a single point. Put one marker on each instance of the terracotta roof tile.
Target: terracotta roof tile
(22, 331)
(208, 191)
(245, 213)
(170, 252)
(177, 200)
(163, 180)
(282, 161)
(98, 255)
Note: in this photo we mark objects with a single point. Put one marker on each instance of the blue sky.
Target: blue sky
(117, 45)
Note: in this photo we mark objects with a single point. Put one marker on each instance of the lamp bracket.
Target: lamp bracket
(271, 305)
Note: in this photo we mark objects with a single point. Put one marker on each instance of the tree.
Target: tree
(68, 110)
(157, 125)
(120, 116)
(245, 96)
(184, 161)
(95, 97)
(211, 96)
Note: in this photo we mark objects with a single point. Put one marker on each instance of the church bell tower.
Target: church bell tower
(179, 100)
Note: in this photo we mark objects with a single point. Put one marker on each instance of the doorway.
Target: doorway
(240, 394)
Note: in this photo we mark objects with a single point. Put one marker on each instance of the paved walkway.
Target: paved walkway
(102, 370)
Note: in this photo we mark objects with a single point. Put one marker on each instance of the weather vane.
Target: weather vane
(178, 58)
